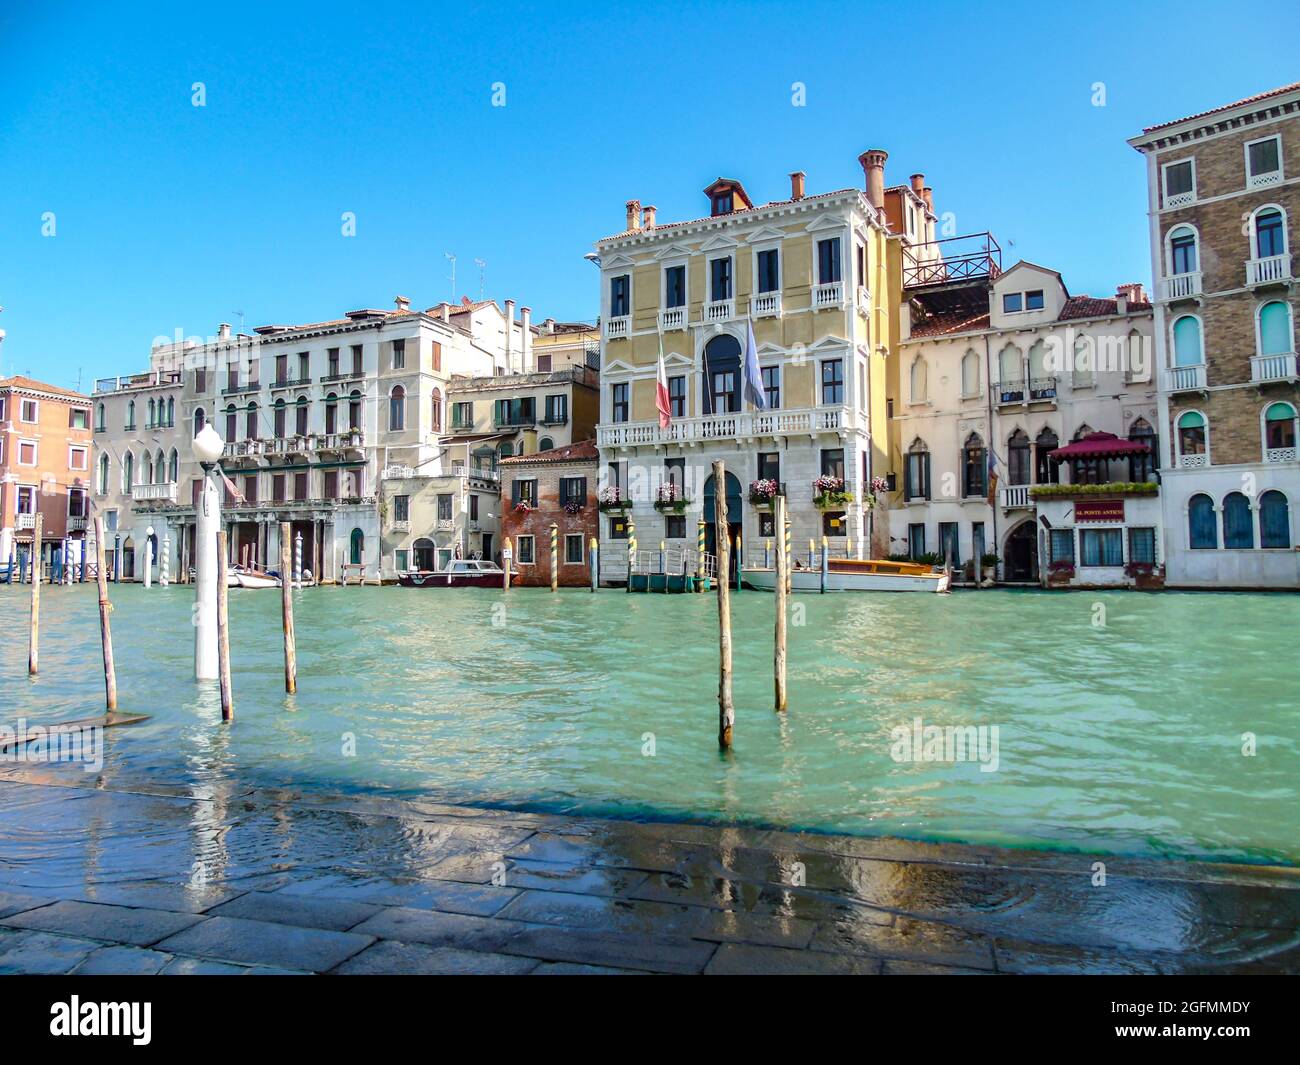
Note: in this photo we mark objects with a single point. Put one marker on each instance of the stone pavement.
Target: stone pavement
(242, 880)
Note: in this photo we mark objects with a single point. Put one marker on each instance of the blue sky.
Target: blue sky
(173, 217)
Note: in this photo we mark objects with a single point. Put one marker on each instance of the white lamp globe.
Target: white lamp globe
(208, 446)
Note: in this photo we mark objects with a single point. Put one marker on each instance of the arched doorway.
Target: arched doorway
(128, 560)
(424, 555)
(722, 375)
(358, 546)
(1020, 559)
(734, 515)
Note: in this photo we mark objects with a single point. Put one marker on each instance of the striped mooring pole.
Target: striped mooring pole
(631, 552)
(699, 558)
(297, 562)
(555, 556)
(789, 556)
(165, 568)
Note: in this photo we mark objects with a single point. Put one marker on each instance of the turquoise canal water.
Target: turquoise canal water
(1121, 738)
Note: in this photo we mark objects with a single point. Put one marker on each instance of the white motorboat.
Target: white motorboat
(856, 575)
(243, 578)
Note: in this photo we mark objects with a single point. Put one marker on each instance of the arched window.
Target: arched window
(281, 420)
(130, 414)
(99, 419)
(1274, 520)
(1011, 374)
(1201, 531)
(1279, 432)
(919, 380)
(153, 415)
(1037, 364)
(354, 410)
(1268, 233)
(331, 414)
(970, 374)
(505, 450)
(1084, 430)
(1045, 470)
(1182, 256)
(974, 460)
(1142, 468)
(1019, 466)
(1187, 341)
(1136, 368)
(545, 444)
(200, 420)
(103, 473)
(173, 467)
(128, 472)
(1193, 444)
(1085, 362)
(1238, 522)
(300, 416)
(916, 472)
(436, 403)
(397, 409)
(232, 423)
(160, 468)
(1274, 332)
(171, 411)
(250, 422)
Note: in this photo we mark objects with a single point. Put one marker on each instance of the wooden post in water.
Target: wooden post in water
(593, 557)
(34, 654)
(782, 564)
(105, 633)
(631, 554)
(740, 564)
(506, 555)
(826, 554)
(555, 557)
(223, 629)
(286, 609)
(699, 558)
(726, 708)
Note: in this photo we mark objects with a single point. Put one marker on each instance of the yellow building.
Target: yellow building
(818, 279)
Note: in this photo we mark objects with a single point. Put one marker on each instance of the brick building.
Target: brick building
(45, 464)
(1224, 192)
(557, 486)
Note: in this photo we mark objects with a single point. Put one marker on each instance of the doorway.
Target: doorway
(734, 517)
(1022, 553)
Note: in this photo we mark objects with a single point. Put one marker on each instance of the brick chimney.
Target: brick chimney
(648, 217)
(927, 194)
(1129, 294)
(633, 215)
(918, 185)
(796, 185)
(873, 166)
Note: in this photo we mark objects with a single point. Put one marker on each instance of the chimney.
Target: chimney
(873, 166)
(927, 194)
(548, 326)
(526, 341)
(445, 311)
(510, 334)
(1127, 295)
(796, 185)
(633, 215)
(918, 185)
(223, 331)
(403, 303)
(648, 217)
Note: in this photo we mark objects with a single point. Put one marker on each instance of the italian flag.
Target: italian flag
(661, 390)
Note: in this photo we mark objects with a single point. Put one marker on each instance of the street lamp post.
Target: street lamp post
(208, 447)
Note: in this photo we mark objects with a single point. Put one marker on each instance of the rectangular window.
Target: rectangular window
(444, 506)
(573, 549)
(832, 382)
(916, 540)
(250, 488)
(1061, 546)
(1101, 547)
(26, 499)
(720, 279)
(300, 419)
(358, 361)
(833, 462)
(557, 409)
(473, 506)
(725, 398)
(1034, 300)
(76, 502)
(1264, 161)
(401, 508)
(26, 453)
(677, 396)
(299, 486)
(1142, 545)
(524, 490)
(949, 549)
(619, 402)
(332, 359)
(277, 488)
(860, 259)
(331, 484)
(1011, 303)
(78, 419)
(77, 458)
(828, 261)
(281, 369)
(526, 554)
(766, 524)
(1180, 183)
(399, 354)
(620, 292)
(200, 381)
(769, 271)
(402, 561)
(674, 287)
(769, 466)
(772, 386)
(437, 356)
(29, 412)
(618, 527)
(304, 366)
(573, 490)
(462, 415)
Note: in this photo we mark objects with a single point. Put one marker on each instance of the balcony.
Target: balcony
(1280, 454)
(720, 311)
(76, 524)
(1273, 270)
(1273, 367)
(291, 382)
(961, 259)
(399, 525)
(237, 390)
(616, 328)
(1009, 392)
(1015, 497)
(765, 305)
(26, 521)
(864, 301)
(672, 318)
(349, 438)
(1193, 462)
(829, 296)
(1180, 286)
(746, 425)
(351, 375)
(1185, 378)
(243, 449)
(1263, 181)
(154, 493)
(1042, 389)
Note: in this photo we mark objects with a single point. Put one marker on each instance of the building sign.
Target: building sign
(1099, 510)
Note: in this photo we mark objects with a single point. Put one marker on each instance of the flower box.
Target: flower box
(1084, 491)
(671, 506)
(763, 492)
(829, 493)
(615, 506)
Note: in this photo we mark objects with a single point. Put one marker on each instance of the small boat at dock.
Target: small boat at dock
(459, 573)
(856, 575)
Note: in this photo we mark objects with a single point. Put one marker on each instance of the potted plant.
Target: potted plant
(1060, 572)
(610, 498)
(1145, 574)
(573, 506)
(877, 488)
(828, 492)
(523, 508)
(763, 492)
(989, 565)
(669, 499)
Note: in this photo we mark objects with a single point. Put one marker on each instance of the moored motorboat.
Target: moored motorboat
(459, 573)
(857, 575)
(238, 577)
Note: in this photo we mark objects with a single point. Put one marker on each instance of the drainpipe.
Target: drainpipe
(988, 386)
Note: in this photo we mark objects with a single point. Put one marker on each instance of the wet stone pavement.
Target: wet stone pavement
(252, 881)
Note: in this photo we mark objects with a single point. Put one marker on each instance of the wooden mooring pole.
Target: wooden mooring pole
(782, 563)
(105, 607)
(506, 555)
(286, 610)
(726, 708)
(223, 629)
(34, 653)
(593, 555)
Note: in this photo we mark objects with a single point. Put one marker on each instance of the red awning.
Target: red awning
(1099, 446)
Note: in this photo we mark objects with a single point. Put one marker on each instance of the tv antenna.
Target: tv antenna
(452, 259)
(482, 267)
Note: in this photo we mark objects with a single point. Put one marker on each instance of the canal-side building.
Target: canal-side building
(545, 488)
(811, 275)
(560, 345)
(1223, 197)
(1015, 398)
(45, 464)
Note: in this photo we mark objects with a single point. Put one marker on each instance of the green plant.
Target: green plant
(1113, 488)
(928, 558)
(989, 559)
